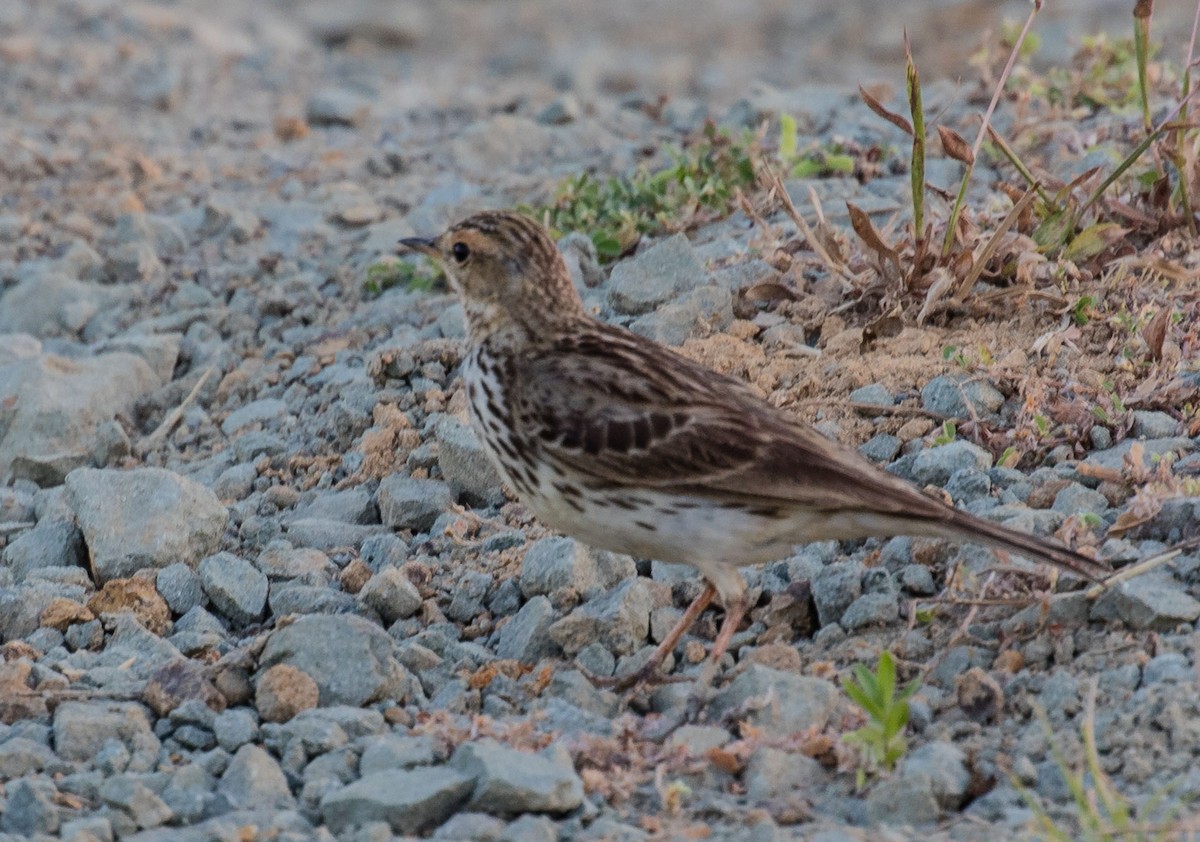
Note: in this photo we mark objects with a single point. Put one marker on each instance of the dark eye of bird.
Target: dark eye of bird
(460, 252)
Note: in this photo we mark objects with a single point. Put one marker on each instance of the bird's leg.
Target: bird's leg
(735, 610)
(649, 670)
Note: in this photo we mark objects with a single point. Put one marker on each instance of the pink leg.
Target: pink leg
(649, 671)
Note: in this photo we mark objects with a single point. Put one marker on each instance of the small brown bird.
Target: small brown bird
(622, 443)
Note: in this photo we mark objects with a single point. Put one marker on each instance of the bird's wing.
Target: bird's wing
(626, 411)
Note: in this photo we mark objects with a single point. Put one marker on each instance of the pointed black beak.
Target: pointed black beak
(424, 245)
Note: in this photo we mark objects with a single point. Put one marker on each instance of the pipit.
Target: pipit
(622, 443)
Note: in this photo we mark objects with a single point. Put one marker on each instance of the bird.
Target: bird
(624, 444)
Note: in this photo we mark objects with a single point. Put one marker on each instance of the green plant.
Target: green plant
(423, 275)
(705, 175)
(1101, 813)
(881, 742)
(947, 434)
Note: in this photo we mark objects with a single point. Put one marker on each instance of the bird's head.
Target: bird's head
(506, 270)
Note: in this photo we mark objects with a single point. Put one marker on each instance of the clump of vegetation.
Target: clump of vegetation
(881, 742)
(1101, 812)
(702, 181)
(423, 274)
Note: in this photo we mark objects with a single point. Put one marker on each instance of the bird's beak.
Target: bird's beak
(424, 245)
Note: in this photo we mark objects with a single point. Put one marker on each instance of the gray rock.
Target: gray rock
(1169, 666)
(465, 466)
(159, 350)
(917, 579)
(871, 609)
(1114, 457)
(1154, 602)
(20, 756)
(1077, 499)
(287, 599)
(353, 505)
(1060, 695)
(234, 728)
(56, 408)
(254, 779)
(469, 594)
(261, 412)
(133, 263)
(337, 107)
(699, 739)
(509, 781)
(393, 751)
(189, 793)
(81, 728)
(30, 808)
(881, 448)
(391, 594)
(935, 465)
(52, 543)
(478, 827)
(901, 801)
(558, 562)
(620, 619)
(781, 701)
(1065, 609)
(945, 766)
(146, 517)
(698, 312)
(951, 394)
(654, 277)
(409, 801)
(52, 304)
(138, 801)
(95, 828)
(407, 503)
(180, 587)
(526, 636)
(1148, 424)
(327, 535)
(835, 588)
(225, 217)
(875, 394)
(237, 482)
(1173, 521)
(236, 587)
(968, 485)
(21, 608)
(583, 264)
(774, 773)
(956, 661)
(351, 659)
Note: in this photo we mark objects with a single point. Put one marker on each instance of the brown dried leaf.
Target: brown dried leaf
(943, 284)
(769, 291)
(1155, 333)
(891, 116)
(955, 146)
(866, 231)
(1129, 518)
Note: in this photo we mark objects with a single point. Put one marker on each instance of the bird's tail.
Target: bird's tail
(981, 531)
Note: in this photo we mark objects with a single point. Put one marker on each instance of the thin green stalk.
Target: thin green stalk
(1132, 157)
(948, 243)
(913, 85)
(1185, 197)
(1142, 11)
(1020, 167)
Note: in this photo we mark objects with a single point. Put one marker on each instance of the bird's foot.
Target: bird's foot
(691, 713)
(647, 676)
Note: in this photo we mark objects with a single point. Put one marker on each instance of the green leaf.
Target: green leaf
(787, 137)
(1054, 230)
(1093, 241)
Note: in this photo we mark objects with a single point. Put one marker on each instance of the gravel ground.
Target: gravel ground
(258, 582)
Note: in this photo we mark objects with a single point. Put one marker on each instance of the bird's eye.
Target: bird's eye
(460, 252)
